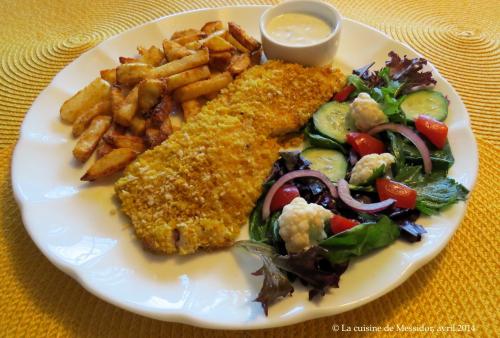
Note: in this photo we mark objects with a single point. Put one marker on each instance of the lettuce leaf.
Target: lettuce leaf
(312, 267)
(435, 192)
(360, 240)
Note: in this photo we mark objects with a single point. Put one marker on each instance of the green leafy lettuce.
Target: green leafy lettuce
(360, 240)
(435, 192)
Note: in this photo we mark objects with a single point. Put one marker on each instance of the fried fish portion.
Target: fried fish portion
(197, 188)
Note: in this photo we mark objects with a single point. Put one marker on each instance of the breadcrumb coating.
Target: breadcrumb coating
(197, 188)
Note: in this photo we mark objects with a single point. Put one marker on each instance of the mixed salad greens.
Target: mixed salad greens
(376, 158)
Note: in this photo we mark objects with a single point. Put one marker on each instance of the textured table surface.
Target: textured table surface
(460, 286)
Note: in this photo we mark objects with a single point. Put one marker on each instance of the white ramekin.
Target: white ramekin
(318, 54)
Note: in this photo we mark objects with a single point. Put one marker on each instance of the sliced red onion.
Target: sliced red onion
(410, 135)
(353, 158)
(345, 196)
(266, 207)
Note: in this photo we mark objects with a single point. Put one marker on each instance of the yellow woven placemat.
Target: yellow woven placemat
(458, 287)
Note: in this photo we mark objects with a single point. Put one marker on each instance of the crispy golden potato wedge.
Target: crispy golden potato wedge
(161, 112)
(138, 125)
(239, 63)
(166, 127)
(175, 122)
(196, 89)
(184, 32)
(152, 56)
(97, 91)
(183, 40)
(191, 107)
(211, 96)
(212, 26)
(194, 45)
(150, 92)
(174, 51)
(126, 59)
(135, 143)
(220, 61)
(154, 137)
(228, 37)
(82, 122)
(111, 163)
(103, 148)
(129, 74)
(127, 109)
(216, 44)
(89, 139)
(188, 62)
(243, 37)
(109, 75)
(189, 76)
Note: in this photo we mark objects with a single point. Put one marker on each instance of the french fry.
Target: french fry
(129, 74)
(220, 61)
(216, 44)
(97, 91)
(150, 92)
(191, 107)
(180, 65)
(138, 125)
(235, 43)
(161, 111)
(243, 37)
(166, 127)
(152, 56)
(184, 32)
(109, 75)
(174, 51)
(189, 76)
(212, 95)
(212, 26)
(114, 130)
(89, 139)
(239, 63)
(126, 141)
(183, 40)
(126, 111)
(194, 45)
(154, 137)
(126, 59)
(111, 163)
(175, 122)
(103, 148)
(82, 122)
(203, 87)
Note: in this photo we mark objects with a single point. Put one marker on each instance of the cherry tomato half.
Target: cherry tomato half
(436, 131)
(344, 93)
(284, 196)
(339, 223)
(365, 144)
(405, 196)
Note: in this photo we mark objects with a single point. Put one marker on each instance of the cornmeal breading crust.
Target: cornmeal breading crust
(196, 189)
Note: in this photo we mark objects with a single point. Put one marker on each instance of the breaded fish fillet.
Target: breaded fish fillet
(197, 188)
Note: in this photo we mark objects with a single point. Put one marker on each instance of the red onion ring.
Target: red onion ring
(345, 196)
(266, 207)
(410, 135)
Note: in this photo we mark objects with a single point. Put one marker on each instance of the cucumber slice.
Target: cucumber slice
(330, 162)
(330, 120)
(425, 102)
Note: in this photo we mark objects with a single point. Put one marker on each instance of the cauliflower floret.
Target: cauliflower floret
(302, 224)
(366, 112)
(364, 168)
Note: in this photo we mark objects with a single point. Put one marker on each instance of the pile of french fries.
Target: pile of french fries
(137, 105)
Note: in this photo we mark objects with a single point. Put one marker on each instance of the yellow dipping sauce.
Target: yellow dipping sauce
(297, 29)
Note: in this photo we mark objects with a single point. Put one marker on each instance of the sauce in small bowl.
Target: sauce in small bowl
(305, 32)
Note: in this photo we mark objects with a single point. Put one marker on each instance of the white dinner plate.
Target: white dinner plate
(77, 227)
